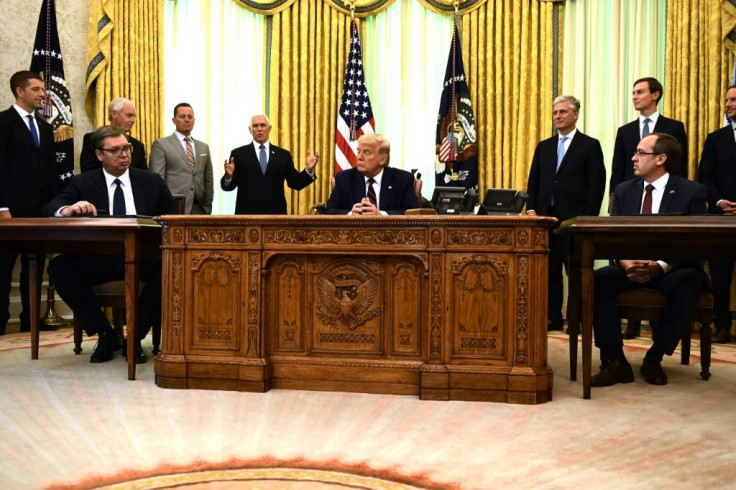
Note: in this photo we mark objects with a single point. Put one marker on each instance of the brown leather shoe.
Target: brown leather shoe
(652, 371)
(614, 372)
(722, 336)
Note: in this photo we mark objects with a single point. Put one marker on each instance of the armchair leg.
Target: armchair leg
(705, 346)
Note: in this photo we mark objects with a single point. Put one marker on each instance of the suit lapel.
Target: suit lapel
(638, 189)
(135, 187)
(21, 126)
(179, 148)
(387, 188)
(574, 146)
(100, 190)
(670, 191)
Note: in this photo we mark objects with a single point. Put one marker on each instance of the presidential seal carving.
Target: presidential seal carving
(346, 295)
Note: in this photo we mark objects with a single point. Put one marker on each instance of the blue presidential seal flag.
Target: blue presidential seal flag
(456, 162)
(57, 107)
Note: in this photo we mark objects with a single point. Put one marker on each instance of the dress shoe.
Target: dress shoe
(633, 330)
(138, 355)
(722, 336)
(107, 343)
(652, 371)
(556, 325)
(613, 372)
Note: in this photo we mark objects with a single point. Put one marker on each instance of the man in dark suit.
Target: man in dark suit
(717, 170)
(646, 94)
(654, 191)
(27, 176)
(372, 187)
(567, 178)
(123, 191)
(258, 171)
(121, 113)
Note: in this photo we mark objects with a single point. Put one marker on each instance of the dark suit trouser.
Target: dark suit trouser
(75, 275)
(720, 275)
(558, 257)
(681, 288)
(7, 263)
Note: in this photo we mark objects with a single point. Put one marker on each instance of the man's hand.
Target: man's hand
(229, 168)
(640, 271)
(312, 161)
(5, 214)
(531, 213)
(728, 207)
(365, 207)
(81, 208)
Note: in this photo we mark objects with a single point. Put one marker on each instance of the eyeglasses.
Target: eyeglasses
(641, 153)
(118, 152)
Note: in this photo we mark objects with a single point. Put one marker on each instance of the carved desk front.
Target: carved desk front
(443, 307)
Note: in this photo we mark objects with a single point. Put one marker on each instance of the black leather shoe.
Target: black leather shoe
(652, 371)
(107, 343)
(722, 336)
(138, 355)
(633, 330)
(614, 372)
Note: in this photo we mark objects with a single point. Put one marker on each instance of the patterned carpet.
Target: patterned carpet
(70, 424)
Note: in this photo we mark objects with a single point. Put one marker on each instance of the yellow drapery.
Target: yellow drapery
(125, 59)
(508, 48)
(698, 67)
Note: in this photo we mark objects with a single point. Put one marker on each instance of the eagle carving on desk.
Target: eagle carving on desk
(347, 300)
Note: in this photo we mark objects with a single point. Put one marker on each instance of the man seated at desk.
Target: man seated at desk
(372, 187)
(655, 190)
(124, 191)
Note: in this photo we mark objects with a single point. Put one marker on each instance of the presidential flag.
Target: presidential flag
(456, 161)
(57, 107)
(355, 116)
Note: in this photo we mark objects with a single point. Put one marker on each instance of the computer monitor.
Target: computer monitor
(448, 200)
(503, 201)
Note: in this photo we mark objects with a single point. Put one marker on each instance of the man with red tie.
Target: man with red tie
(655, 190)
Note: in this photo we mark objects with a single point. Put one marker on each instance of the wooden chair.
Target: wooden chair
(648, 304)
(111, 294)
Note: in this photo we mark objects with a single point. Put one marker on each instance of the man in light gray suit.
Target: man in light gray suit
(185, 163)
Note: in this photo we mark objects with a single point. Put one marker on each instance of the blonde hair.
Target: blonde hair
(380, 142)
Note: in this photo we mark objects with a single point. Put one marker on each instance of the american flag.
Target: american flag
(355, 116)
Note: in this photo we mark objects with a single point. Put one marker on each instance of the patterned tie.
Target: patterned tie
(560, 151)
(645, 129)
(647, 206)
(34, 134)
(118, 200)
(371, 194)
(262, 159)
(190, 152)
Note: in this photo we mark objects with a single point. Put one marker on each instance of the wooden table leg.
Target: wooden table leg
(587, 277)
(132, 256)
(34, 297)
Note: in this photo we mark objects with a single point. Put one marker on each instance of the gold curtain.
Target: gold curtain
(508, 47)
(304, 77)
(697, 71)
(125, 59)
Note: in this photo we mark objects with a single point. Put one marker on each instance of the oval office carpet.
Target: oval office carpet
(69, 424)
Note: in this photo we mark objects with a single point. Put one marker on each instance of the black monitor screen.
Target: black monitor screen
(448, 200)
(499, 199)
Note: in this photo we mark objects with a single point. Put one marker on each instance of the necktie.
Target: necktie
(371, 193)
(647, 206)
(645, 129)
(561, 151)
(262, 159)
(118, 200)
(190, 152)
(34, 134)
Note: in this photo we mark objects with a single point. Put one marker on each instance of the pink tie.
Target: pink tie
(190, 152)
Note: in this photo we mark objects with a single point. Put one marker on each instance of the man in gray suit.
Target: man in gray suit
(184, 163)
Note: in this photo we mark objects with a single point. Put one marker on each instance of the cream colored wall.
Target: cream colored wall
(18, 21)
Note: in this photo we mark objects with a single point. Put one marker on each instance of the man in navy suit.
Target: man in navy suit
(717, 170)
(646, 94)
(372, 187)
(567, 178)
(114, 189)
(258, 171)
(655, 190)
(27, 176)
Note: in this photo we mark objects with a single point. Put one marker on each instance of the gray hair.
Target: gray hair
(268, 121)
(574, 103)
(116, 105)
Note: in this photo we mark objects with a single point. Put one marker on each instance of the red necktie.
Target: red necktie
(371, 194)
(190, 152)
(647, 207)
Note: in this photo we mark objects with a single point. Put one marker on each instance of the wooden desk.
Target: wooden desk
(132, 236)
(637, 237)
(442, 307)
